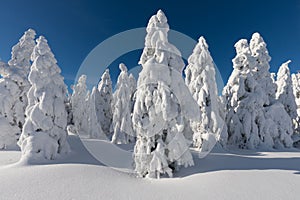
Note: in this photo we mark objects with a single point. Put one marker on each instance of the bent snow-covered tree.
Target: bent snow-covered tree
(122, 123)
(103, 102)
(200, 79)
(44, 133)
(14, 87)
(162, 102)
(250, 100)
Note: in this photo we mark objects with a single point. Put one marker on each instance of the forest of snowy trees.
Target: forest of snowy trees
(164, 113)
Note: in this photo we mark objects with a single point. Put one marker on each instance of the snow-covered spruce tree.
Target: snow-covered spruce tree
(94, 128)
(285, 93)
(201, 81)
(242, 106)
(79, 105)
(261, 69)
(250, 100)
(132, 83)
(14, 87)
(9, 133)
(122, 124)
(103, 103)
(162, 102)
(44, 133)
(281, 124)
(296, 91)
(223, 138)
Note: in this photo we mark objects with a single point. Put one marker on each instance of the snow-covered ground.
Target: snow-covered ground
(220, 175)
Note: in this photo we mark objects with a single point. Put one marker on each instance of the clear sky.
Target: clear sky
(74, 27)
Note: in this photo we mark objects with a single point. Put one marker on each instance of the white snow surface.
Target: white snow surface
(220, 175)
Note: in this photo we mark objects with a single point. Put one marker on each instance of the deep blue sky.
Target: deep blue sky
(74, 27)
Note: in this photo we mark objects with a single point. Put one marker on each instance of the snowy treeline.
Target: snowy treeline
(162, 113)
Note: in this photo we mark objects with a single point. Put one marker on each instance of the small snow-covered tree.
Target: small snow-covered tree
(132, 83)
(162, 102)
(103, 102)
(79, 106)
(44, 133)
(94, 128)
(285, 93)
(122, 123)
(14, 87)
(201, 81)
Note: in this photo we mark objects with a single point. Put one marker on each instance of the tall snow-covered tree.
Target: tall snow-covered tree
(250, 100)
(261, 69)
(9, 132)
(296, 91)
(44, 133)
(239, 95)
(122, 123)
(283, 124)
(162, 102)
(20, 66)
(94, 127)
(14, 87)
(284, 92)
(79, 106)
(201, 81)
(103, 102)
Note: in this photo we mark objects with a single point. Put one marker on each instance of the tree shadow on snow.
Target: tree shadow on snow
(220, 160)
